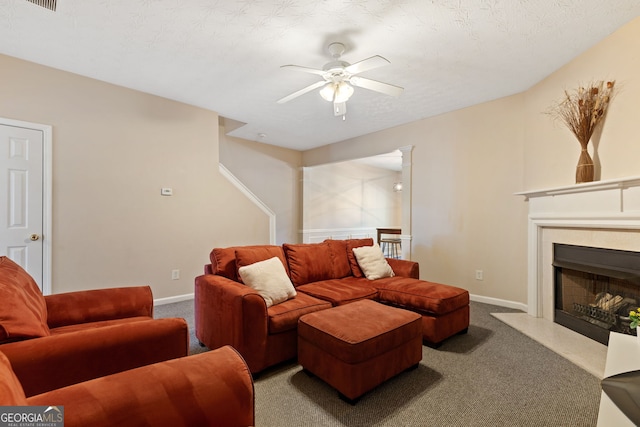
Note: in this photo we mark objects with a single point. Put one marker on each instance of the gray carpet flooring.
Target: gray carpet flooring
(492, 376)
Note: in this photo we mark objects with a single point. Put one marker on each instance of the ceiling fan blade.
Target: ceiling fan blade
(377, 86)
(304, 69)
(367, 64)
(302, 91)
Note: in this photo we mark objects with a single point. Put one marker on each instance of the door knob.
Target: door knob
(34, 237)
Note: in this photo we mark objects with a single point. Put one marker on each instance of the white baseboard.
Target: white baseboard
(169, 300)
(499, 302)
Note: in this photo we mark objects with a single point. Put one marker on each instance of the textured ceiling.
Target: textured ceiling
(225, 55)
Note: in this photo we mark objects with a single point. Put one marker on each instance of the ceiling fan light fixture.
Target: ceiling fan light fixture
(343, 92)
(328, 92)
(336, 92)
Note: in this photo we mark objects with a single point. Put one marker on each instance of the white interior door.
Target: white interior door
(21, 198)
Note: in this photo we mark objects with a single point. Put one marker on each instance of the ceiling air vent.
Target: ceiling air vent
(49, 4)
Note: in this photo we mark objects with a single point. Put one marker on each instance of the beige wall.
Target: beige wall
(348, 195)
(466, 166)
(551, 151)
(468, 163)
(113, 149)
(273, 174)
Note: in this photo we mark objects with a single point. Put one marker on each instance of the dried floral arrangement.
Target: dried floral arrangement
(582, 110)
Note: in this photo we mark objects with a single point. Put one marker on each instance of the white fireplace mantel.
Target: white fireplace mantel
(619, 183)
(612, 205)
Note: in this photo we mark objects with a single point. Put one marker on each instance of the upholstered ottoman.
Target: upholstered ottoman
(355, 347)
(444, 308)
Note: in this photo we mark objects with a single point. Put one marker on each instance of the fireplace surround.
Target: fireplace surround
(601, 214)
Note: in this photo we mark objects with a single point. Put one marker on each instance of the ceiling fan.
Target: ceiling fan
(339, 77)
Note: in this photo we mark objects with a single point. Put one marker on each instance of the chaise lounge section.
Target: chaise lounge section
(324, 275)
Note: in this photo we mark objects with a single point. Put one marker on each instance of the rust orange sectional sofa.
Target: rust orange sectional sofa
(327, 274)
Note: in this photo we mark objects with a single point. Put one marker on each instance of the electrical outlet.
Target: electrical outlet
(175, 274)
(479, 275)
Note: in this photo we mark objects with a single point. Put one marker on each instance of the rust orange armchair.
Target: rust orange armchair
(208, 389)
(57, 340)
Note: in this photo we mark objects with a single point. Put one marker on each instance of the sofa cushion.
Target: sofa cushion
(11, 392)
(23, 310)
(339, 258)
(421, 296)
(356, 243)
(308, 262)
(223, 262)
(372, 262)
(284, 317)
(341, 291)
(269, 279)
(247, 255)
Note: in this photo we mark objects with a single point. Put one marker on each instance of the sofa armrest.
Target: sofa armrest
(98, 304)
(213, 388)
(231, 313)
(404, 268)
(43, 364)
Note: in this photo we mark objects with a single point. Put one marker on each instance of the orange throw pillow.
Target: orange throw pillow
(353, 262)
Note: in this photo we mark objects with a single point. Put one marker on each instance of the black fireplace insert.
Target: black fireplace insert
(595, 288)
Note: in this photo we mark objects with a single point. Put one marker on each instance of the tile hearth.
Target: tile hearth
(588, 354)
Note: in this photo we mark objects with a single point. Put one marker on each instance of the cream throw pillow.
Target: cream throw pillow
(372, 262)
(269, 279)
